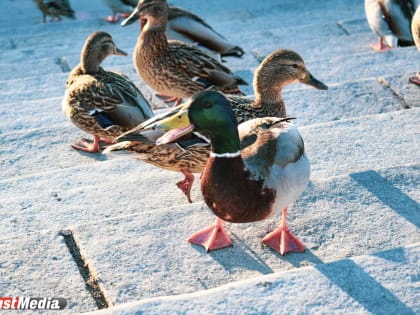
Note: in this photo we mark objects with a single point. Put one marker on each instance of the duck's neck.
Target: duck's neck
(90, 62)
(271, 99)
(153, 38)
(225, 143)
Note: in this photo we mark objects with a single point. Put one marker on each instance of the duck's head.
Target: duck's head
(150, 12)
(210, 114)
(280, 68)
(98, 46)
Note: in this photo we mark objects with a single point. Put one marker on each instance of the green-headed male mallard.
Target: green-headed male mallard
(391, 20)
(172, 68)
(55, 9)
(280, 68)
(102, 103)
(415, 30)
(254, 170)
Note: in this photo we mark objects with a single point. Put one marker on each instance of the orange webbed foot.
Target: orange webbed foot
(211, 238)
(282, 240)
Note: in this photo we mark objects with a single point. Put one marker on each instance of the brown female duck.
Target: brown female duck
(279, 69)
(173, 68)
(102, 103)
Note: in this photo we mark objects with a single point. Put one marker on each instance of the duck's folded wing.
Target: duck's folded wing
(201, 67)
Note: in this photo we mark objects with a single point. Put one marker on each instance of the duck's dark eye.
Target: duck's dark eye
(295, 65)
(206, 105)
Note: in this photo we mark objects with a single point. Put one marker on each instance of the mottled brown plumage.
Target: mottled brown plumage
(102, 103)
(174, 68)
(55, 9)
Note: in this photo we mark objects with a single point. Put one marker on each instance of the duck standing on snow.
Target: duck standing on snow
(391, 20)
(174, 69)
(279, 69)
(415, 30)
(254, 170)
(182, 25)
(102, 103)
(190, 28)
(120, 8)
(55, 8)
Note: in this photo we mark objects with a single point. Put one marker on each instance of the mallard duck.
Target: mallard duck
(415, 30)
(190, 28)
(173, 68)
(120, 9)
(54, 8)
(390, 20)
(280, 68)
(182, 25)
(255, 170)
(102, 103)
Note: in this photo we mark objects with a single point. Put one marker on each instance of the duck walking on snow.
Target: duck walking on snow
(391, 20)
(174, 69)
(102, 103)
(255, 170)
(279, 69)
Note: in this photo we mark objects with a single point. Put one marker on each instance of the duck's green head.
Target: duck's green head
(209, 113)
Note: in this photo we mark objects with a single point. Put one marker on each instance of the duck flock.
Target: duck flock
(250, 156)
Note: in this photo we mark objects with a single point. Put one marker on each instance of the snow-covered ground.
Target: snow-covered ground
(359, 218)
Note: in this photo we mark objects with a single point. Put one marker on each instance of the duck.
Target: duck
(175, 69)
(120, 9)
(254, 171)
(390, 20)
(279, 69)
(55, 9)
(415, 30)
(190, 28)
(102, 103)
(183, 26)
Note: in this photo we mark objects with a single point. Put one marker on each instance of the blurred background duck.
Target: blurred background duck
(174, 69)
(415, 30)
(189, 155)
(391, 21)
(255, 170)
(55, 9)
(182, 25)
(102, 103)
(120, 9)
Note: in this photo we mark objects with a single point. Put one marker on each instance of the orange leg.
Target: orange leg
(86, 146)
(170, 99)
(186, 184)
(114, 18)
(416, 79)
(380, 46)
(282, 240)
(213, 237)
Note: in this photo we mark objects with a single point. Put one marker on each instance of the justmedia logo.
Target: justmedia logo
(32, 303)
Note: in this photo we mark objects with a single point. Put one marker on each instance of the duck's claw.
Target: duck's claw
(211, 238)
